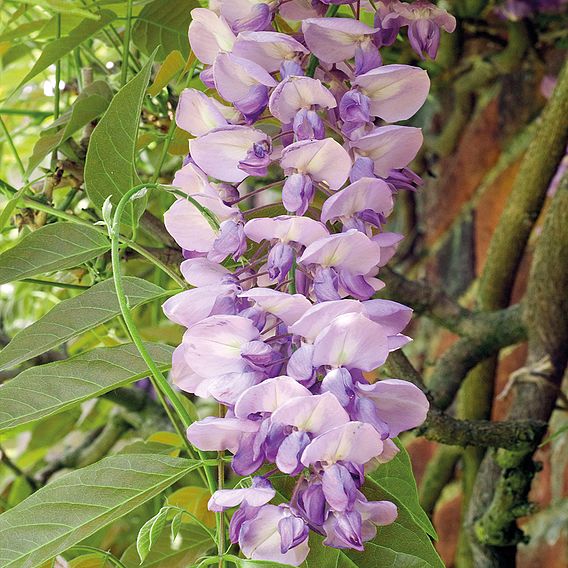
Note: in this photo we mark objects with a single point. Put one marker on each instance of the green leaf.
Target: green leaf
(47, 389)
(90, 104)
(75, 316)
(54, 247)
(150, 532)
(192, 542)
(78, 504)
(23, 30)
(176, 525)
(163, 24)
(110, 165)
(396, 477)
(58, 48)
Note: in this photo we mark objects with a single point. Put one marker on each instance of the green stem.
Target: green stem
(126, 45)
(160, 382)
(13, 148)
(57, 91)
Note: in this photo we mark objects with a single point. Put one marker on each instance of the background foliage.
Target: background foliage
(88, 92)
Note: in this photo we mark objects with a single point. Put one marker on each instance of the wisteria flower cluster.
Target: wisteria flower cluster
(282, 327)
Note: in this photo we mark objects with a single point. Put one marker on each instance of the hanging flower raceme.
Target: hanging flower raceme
(282, 325)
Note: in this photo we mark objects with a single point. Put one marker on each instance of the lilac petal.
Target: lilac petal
(257, 160)
(319, 316)
(182, 375)
(234, 76)
(295, 93)
(389, 147)
(340, 383)
(254, 496)
(351, 251)
(400, 404)
(258, 354)
(366, 193)
(219, 433)
(333, 40)
(396, 92)
(389, 243)
(398, 341)
(339, 488)
(267, 49)
(354, 107)
(289, 452)
(315, 414)
(311, 502)
(190, 228)
(344, 530)
(219, 152)
(288, 307)
(424, 36)
(252, 105)
(258, 18)
(293, 531)
(197, 113)
(300, 364)
(301, 9)
(260, 539)
(192, 306)
(392, 316)
(285, 228)
(362, 167)
(250, 456)
(323, 160)
(268, 396)
(214, 344)
(378, 512)
(356, 285)
(367, 57)
(191, 180)
(239, 517)
(280, 261)
(230, 241)
(352, 341)
(297, 193)
(354, 442)
(209, 34)
(326, 285)
(308, 125)
(227, 388)
(203, 272)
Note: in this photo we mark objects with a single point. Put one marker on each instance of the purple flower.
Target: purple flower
(259, 494)
(209, 35)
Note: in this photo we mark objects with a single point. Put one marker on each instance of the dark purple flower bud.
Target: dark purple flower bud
(242, 514)
(258, 20)
(339, 383)
(310, 502)
(207, 77)
(356, 285)
(253, 105)
(363, 167)
(371, 217)
(354, 107)
(365, 410)
(258, 354)
(289, 68)
(256, 315)
(280, 260)
(228, 193)
(326, 285)
(339, 488)
(388, 30)
(300, 365)
(250, 455)
(231, 241)
(297, 193)
(424, 36)
(344, 530)
(367, 57)
(404, 178)
(308, 125)
(293, 531)
(257, 159)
